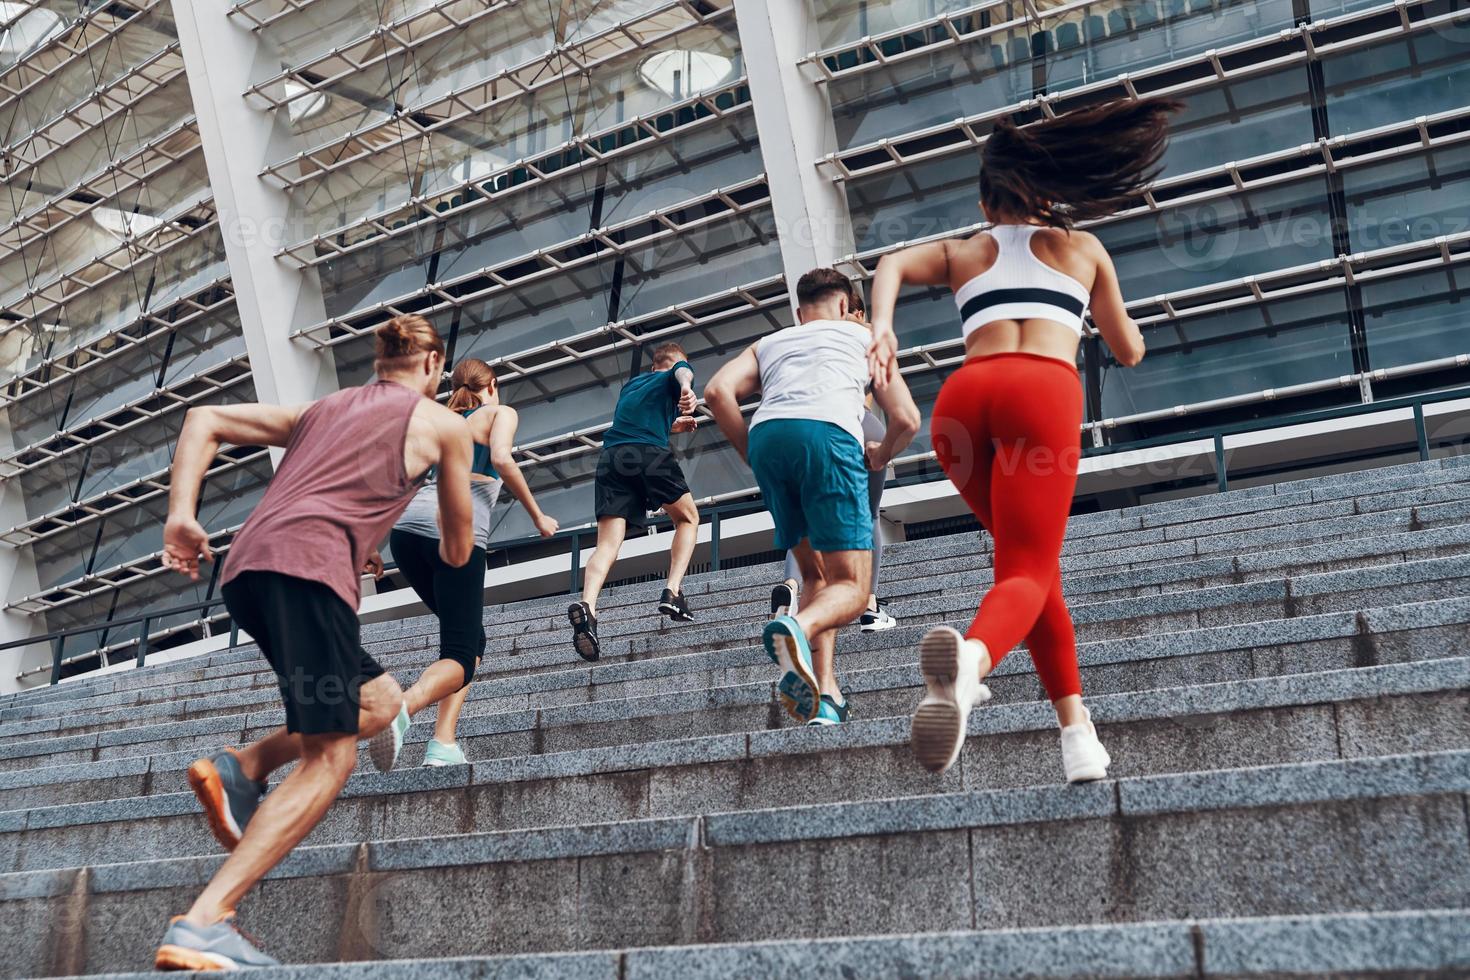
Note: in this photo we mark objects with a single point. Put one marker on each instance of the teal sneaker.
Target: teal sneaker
(829, 712)
(788, 649)
(438, 754)
(385, 746)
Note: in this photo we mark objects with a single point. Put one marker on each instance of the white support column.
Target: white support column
(794, 117)
(17, 578)
(221, 60)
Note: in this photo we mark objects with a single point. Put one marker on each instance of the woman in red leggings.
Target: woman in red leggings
(1007, 425)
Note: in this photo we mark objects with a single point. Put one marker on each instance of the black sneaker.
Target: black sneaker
(584, 631)
(783, 600)
(676, 607)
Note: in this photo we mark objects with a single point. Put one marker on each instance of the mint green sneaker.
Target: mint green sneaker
(787, 647)
(385, 746)
(439, 754)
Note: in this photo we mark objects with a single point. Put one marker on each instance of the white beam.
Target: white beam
(794, 118)
(17, 578)
(221, 60)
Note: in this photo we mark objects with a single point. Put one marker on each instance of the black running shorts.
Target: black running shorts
(311, 638)
(633, 479)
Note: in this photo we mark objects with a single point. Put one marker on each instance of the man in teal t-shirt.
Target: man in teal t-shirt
(636, 473)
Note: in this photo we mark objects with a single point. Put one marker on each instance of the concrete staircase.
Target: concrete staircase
(1282, 675)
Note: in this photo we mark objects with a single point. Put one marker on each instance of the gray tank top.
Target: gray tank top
(422, 515)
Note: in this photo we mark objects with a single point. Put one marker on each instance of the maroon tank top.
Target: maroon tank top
(338, 490)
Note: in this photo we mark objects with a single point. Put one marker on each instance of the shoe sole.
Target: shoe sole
(675, 613)
(799, 699)
(205, 782)
(1089, 775)
(938, 732)
(584, 639)
(171, 957)
(879, 627)
(382, 750)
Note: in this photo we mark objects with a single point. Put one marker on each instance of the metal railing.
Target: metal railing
(740, 503)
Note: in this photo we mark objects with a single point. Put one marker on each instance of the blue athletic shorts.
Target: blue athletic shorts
(815, 484)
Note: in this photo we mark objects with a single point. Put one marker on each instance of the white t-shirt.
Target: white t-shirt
(816, 370)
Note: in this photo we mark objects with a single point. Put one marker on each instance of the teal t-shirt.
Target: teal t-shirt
(646, 409)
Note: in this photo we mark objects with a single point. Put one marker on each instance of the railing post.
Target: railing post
(234, 632)
(56, 646)
(576, 563)
(1420, 432)
(714, 542)
(143, 640)
(1222, 480)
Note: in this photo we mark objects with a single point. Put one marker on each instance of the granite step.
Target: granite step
(1381, 944)
(1427, 477)
(881, 673)
(1184, 846)
(1172, 611)
(1416, 707)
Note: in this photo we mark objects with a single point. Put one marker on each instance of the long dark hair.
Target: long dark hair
(1087, 164)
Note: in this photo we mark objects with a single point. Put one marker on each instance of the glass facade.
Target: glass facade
(559, 186)
(117, 304)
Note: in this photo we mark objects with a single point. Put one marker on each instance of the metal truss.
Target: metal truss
(112, 579)
(90, 30)
(93, 111)
(94, 431)
(213, 299)
(1362, 268)
(114, 180)
(573, 156)
(386, 41)
(453, 108)
(696, 315)
(1425, 134)
(737, 202)
(968, 134)
(39, 301)
(257, 14)
(960, 27)
(102, 505)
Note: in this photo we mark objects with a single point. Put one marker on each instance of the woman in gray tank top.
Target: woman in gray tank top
(457, 595)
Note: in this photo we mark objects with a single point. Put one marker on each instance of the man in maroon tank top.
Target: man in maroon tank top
(291, 580)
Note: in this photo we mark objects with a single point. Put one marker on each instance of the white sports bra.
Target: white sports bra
(1019, 286)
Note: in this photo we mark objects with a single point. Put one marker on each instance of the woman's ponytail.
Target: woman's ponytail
(471, 376)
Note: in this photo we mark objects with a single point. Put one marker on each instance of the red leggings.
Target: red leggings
(1006, 429)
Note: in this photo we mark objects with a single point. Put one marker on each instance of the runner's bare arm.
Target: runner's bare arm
(903, 421)
(738, 379)
(685, 377)
(1108, 311)
(205, 429)
(499, 430)
(456, 508)
(920, 265)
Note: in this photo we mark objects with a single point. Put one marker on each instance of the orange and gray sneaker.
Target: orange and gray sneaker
(229, 798)
(221, 946)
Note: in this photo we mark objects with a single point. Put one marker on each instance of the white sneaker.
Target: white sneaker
(876, 620)
(1083, 756)
(951, 668)
(384, 747)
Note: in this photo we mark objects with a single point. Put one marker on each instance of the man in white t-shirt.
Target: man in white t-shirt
(805, 445)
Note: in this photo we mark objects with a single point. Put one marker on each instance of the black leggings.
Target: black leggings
(455, 595)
